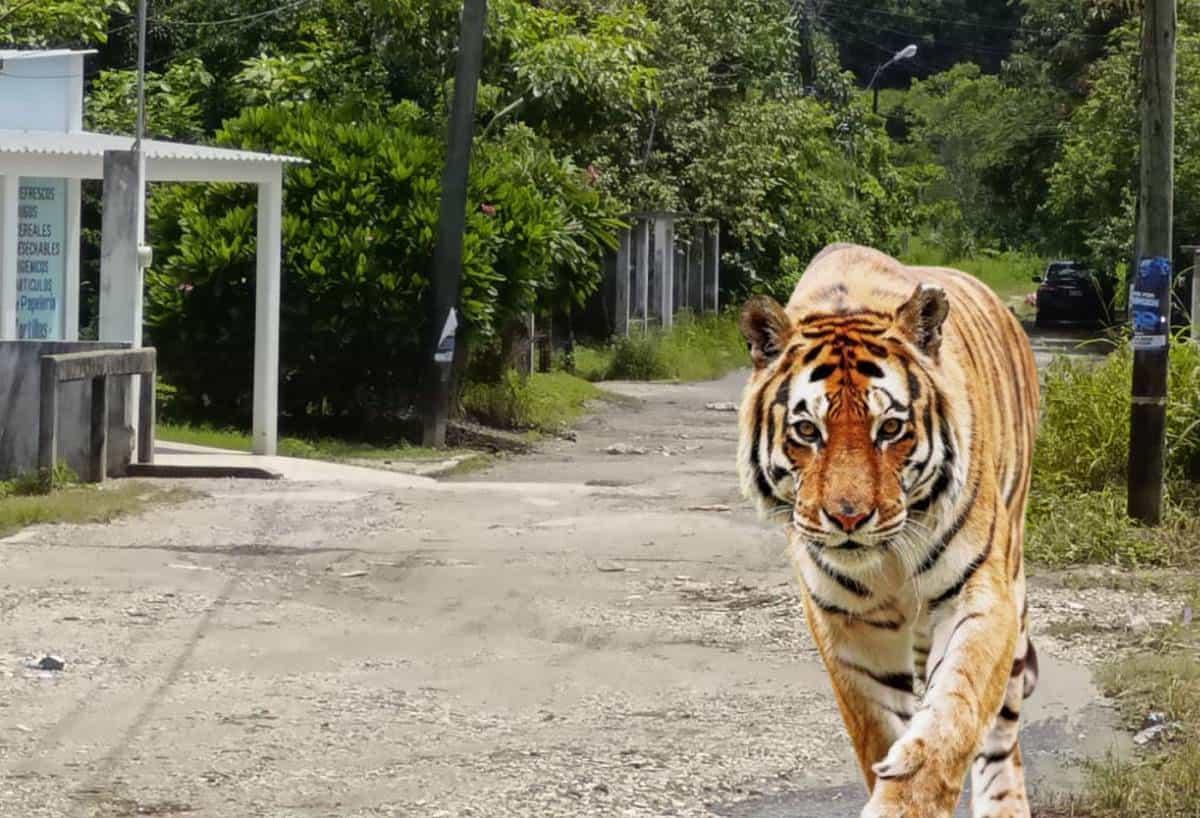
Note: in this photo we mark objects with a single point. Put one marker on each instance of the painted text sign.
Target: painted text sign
(41, 257)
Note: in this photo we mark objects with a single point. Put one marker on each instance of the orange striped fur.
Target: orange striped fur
(889, 425)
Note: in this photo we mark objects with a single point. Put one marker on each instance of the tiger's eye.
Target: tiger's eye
(890, 428)
(807, 430)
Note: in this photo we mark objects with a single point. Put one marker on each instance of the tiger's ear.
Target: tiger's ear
(921, 318)
(767, 329)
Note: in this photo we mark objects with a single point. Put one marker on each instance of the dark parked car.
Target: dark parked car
(1071, 293)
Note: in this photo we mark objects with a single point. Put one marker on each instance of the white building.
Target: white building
(45, 153)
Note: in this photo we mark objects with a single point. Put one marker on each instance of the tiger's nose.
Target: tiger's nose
(848, 518)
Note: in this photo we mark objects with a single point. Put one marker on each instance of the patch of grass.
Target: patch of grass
(80, 504)
(694, 349)
(543, 401)
(593, 363)
(38, 482)
(1067, 526)
(1077, 505)
(231, 439)
(1162, 786)
(1006, 272)
(319, 449)
(1162, 782)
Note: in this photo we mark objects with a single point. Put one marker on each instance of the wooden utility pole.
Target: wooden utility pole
(442, 319)
(1151, 299)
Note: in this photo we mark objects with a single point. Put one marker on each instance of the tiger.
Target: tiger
(889, 423)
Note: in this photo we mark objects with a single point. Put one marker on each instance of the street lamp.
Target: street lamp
(907, 53)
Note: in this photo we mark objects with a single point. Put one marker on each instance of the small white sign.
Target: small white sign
(445, 349)
(1149, 342)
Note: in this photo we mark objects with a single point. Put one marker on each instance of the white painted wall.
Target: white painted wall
(42, 93)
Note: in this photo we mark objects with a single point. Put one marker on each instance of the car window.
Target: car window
(1067, 274)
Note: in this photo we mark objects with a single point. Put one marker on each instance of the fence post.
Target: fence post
(48, 418)
(146, 416)
(712, 271)
(664, 268)
(696, 270)
(621, 285)
(641, 272)
(98, 443)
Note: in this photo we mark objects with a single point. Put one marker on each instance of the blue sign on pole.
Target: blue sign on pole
(1148, 303)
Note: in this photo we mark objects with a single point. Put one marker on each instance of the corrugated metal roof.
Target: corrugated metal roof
(18, 54)
(85, 143)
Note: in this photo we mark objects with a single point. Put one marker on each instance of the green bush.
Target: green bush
(360, 223)
(638, 358)
(694, 349)
(542, 401)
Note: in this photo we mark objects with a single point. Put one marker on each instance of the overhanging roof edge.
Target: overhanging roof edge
(88, 144)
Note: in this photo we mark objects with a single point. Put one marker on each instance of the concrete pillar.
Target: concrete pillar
(70, 290)
(664, 268)
(120, 274)
(712, 268)
(681, 282)
(266, 315)
(620, 274)
(695, 298)
(9, 196)
(121, 281)
(641, 273)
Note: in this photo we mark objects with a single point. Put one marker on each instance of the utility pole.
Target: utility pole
(1150, 304)
(140, 132)
(442, 318)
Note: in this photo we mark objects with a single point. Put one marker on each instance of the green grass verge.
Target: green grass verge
(1077, 504)
(694, 349)
(77, 504)
(320, 449)
(541, 402)
(1008, 273)
(1163, 781)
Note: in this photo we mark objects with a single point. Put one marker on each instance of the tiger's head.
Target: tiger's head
(842, 422)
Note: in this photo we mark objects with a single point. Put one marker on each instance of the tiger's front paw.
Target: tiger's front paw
(906, 757)
(913, 781)
(909, 799)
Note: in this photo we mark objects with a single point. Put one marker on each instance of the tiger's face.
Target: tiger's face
(842, 422)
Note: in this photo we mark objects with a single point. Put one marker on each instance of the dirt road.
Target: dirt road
(569, 633)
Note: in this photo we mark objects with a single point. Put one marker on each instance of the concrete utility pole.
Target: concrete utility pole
(442, 319)
(1151, 298)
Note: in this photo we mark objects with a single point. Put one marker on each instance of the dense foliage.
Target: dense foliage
(359, 229)
(586, 111)
(1017, 133)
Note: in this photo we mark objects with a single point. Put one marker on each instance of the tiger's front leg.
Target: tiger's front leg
(869, 660)
(975, 633)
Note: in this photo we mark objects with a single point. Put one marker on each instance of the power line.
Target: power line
(958, 44)
(240, 19)
(950, 21)
(258, 15)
